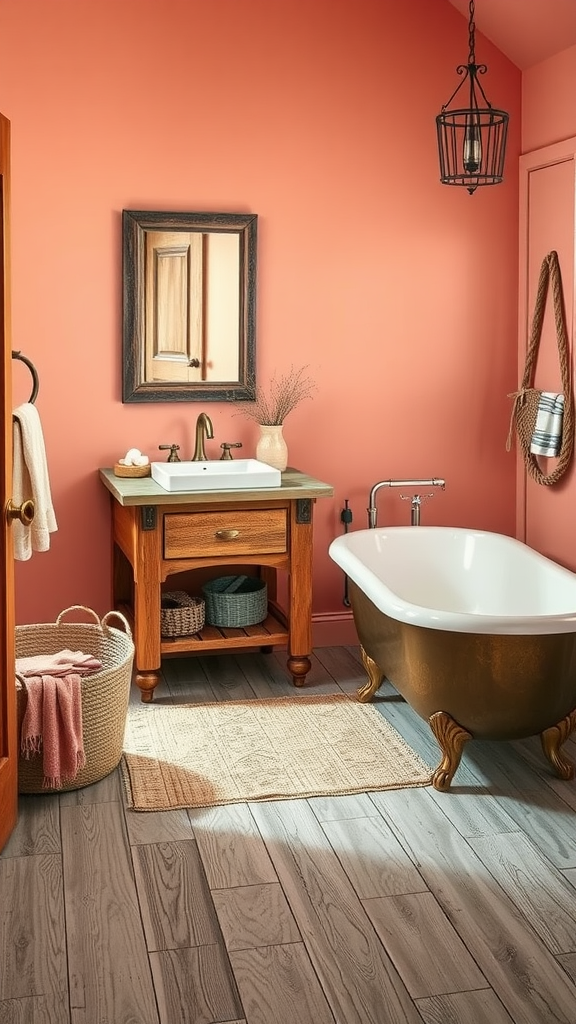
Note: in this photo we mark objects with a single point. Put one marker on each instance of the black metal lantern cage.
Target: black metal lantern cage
(472, 146)
(471, 140)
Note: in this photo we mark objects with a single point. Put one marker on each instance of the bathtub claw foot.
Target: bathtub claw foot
(552, 739)
(451, 738)
(375, 677)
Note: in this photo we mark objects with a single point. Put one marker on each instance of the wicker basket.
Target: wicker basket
(235, 601)
(104, 694)
(131, 471)
(180, 614)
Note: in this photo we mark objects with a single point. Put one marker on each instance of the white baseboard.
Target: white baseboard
(334, 630)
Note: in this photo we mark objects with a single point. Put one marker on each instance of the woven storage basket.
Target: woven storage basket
(235, 601)
(180, 613)
(104, 694)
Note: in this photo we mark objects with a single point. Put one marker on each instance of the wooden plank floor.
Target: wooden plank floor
(397, 907)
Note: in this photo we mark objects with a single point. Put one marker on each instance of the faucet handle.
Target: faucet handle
(226, 453)
(174, 449)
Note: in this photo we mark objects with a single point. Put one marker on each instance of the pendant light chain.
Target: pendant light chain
(471, 34)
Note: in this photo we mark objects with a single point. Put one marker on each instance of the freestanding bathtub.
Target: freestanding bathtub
(476, 630)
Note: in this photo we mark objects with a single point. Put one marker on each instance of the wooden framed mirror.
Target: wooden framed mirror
(189, 306)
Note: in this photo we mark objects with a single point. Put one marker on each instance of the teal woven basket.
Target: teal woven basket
(235, 601)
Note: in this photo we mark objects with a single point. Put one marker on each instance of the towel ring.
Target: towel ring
(33, 371)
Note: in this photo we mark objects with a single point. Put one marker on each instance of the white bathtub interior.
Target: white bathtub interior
(454, 578)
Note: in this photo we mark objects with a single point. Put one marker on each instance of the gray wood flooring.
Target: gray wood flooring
(397, 907)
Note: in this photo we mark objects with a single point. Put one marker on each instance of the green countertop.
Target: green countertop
(145, 490)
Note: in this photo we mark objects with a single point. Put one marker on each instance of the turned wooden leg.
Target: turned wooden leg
(451, 738)
(147, 683)
(375, 677)
(552, 739)
(299, 669)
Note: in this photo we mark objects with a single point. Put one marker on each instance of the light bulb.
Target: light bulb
(472, 155)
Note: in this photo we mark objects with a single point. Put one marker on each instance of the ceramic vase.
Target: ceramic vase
(271, 447)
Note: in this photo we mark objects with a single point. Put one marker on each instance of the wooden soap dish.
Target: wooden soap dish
(133, 471)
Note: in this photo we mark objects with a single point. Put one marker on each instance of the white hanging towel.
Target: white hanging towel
(547, 436)
(30, 480)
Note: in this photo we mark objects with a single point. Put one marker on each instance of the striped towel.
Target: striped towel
(547, 436)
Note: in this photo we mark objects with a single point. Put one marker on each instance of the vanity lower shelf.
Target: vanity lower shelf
(269, 633)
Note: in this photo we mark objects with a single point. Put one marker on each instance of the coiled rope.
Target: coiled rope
(526, 399)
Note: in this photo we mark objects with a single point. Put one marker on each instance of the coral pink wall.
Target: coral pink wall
(318, 116)
(548, 109)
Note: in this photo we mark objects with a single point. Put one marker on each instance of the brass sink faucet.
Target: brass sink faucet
(204, 430)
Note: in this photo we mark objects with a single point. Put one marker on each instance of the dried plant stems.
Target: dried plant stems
(285, 393)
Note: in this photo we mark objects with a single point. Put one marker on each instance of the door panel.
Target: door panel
(8, 747)
(546, 513)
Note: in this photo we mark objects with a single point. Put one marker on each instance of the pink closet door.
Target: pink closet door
(546, 515)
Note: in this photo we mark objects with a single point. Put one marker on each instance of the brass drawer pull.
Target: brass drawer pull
(227, 534)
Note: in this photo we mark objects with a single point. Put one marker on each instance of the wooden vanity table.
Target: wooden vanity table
(158, 533)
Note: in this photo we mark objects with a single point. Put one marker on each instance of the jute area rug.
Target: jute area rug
(281, 748)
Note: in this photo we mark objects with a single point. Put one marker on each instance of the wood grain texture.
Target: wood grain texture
(108, 970)
(226, 679)
(341, 808)
(338, 937)
(475, 811)
(231, 847)
(428, 953)
(32, 1010)
(482, 1007)
(342, 666)
(568, 962)
(174, 897)
(543, 895)
(157, 826)
(502, 767)
(37, 829)
(195, 986)
(515, 962)
(564, 790)
(513, 782)
(186, 681)
(254, 915)
(265, 676)
(278, 986)
(197, 535)
(570, 875)
(32, 934)
(373, 858)
(107, 790)
(497, 852)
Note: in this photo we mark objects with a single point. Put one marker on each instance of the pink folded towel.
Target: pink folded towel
(52, 724)
(59, 664)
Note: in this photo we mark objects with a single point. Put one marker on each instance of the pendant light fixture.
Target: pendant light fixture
(472, 139)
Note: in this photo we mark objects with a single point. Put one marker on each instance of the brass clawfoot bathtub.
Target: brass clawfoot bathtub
(474, 629)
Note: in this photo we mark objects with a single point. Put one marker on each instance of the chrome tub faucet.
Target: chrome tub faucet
(416, 500)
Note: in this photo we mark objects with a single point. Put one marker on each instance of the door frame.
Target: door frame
(547, 156)
(8, 731)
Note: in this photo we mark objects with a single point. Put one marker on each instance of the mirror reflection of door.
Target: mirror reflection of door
(192, 313)
(188, 306)
(8, 741)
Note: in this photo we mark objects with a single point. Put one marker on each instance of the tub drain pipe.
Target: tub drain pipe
(346, 518)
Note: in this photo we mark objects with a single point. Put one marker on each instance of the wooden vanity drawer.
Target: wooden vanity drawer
(199, 534)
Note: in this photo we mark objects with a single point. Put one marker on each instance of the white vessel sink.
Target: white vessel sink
(221, 475)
